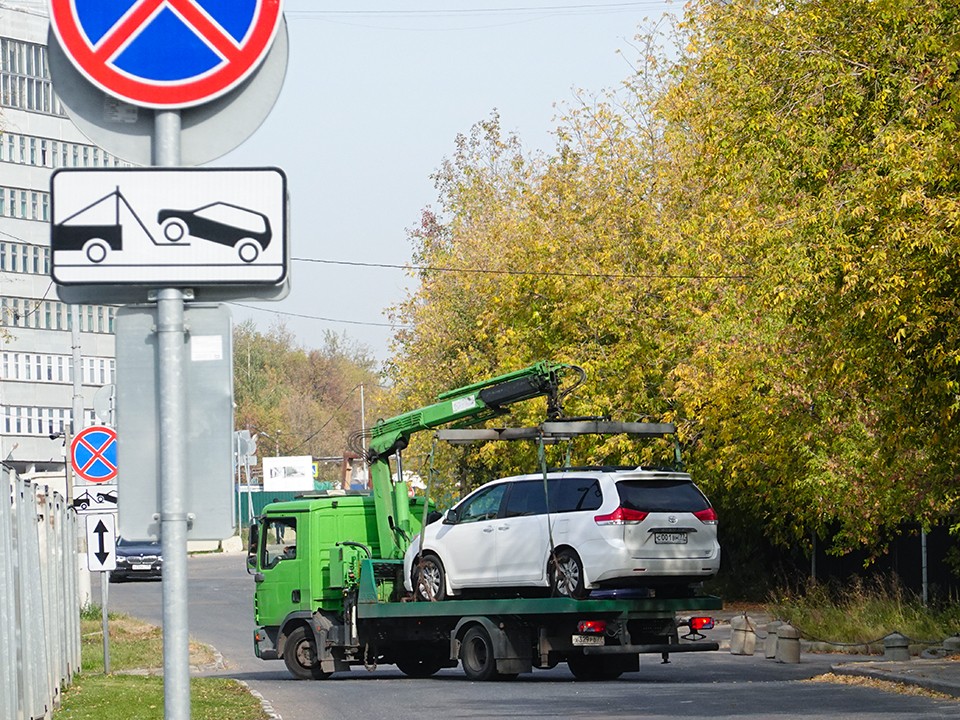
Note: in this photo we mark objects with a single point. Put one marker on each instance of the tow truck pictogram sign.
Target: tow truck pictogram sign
(172, 226)
(166, 53)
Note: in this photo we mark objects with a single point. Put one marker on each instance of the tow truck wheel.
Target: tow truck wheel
(477, 654)
(300, 656)
(566, 574)
(428, 579)
(96, 250)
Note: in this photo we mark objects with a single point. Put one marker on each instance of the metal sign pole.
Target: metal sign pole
(104, 592)
(173, 475)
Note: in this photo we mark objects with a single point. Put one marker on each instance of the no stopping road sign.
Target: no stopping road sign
(166, 53)
(93, 454)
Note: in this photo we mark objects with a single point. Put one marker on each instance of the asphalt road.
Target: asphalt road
(694, 686)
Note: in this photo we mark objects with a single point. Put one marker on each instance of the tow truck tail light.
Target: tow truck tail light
(701, 623)
(592, 626)
(707, 517)
(621, 516)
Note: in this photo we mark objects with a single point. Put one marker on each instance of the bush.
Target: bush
(864, 612)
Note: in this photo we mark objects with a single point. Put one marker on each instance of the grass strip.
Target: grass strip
(134, 689)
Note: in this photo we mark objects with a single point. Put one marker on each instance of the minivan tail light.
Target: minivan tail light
(707, 517)
(621, 516)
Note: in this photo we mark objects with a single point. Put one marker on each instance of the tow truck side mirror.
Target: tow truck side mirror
(252, 547)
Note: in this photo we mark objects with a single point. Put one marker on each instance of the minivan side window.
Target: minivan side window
(484, 506)
(572, 494)
(526, 497)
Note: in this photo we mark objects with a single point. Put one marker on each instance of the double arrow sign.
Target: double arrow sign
(101, 543)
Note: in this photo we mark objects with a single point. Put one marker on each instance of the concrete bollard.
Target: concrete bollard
(896, 647)
(743, 640)
(788, 644)
(770, 643)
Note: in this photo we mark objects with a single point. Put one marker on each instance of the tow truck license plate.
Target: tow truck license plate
(670, 538)
(581, 640)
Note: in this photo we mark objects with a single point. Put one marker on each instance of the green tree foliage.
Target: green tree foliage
(821, 136)
(756, 240)
(306, 402)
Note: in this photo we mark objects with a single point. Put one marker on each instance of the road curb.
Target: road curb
(264, 703)
(927, 675)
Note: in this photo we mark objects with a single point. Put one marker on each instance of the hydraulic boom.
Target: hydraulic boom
(461, 407)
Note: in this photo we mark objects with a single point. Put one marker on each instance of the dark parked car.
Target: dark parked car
(137, 560)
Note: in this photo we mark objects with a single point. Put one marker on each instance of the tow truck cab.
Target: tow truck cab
(305, 553)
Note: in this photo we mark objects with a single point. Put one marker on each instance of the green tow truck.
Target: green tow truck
(329, 590)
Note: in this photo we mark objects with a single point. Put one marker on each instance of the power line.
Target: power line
(448, 12)
(428, 268)
(532, 273)
(318, 317)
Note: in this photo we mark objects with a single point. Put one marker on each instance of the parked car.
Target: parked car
(137, 560)
(246, 230)
(109, 496)
(579, 530)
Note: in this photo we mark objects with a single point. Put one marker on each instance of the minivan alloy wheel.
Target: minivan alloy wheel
(567, 574)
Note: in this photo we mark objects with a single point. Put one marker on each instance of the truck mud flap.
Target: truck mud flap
(658, 648)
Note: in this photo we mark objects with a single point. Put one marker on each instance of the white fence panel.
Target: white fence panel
(39, 598)
(9, 693)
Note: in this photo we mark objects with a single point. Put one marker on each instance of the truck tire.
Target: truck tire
(300, 655)
(478, 656)
(566, 574)
(428, 578)
(594, 668)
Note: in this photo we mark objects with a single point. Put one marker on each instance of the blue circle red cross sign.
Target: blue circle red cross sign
(166, 53)
(93, 453)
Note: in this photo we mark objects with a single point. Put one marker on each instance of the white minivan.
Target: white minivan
(573, 531)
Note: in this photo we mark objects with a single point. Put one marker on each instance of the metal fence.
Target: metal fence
(39, 598)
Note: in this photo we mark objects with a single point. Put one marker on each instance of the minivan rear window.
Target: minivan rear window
(661, 496)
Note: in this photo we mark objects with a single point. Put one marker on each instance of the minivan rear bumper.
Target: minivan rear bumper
(604, 562)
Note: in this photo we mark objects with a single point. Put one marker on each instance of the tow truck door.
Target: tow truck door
(279, 582)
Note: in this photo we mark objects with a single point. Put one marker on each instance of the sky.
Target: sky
(374, 96)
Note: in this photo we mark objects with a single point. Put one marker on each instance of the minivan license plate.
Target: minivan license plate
(670, 538)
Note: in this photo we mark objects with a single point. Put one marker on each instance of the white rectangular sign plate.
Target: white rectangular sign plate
(101, 543)
(172, 227)
(288, 474)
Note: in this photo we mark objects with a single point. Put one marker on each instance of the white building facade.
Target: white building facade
(36, 339)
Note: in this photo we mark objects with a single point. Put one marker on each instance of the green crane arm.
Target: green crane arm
(463, 406)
